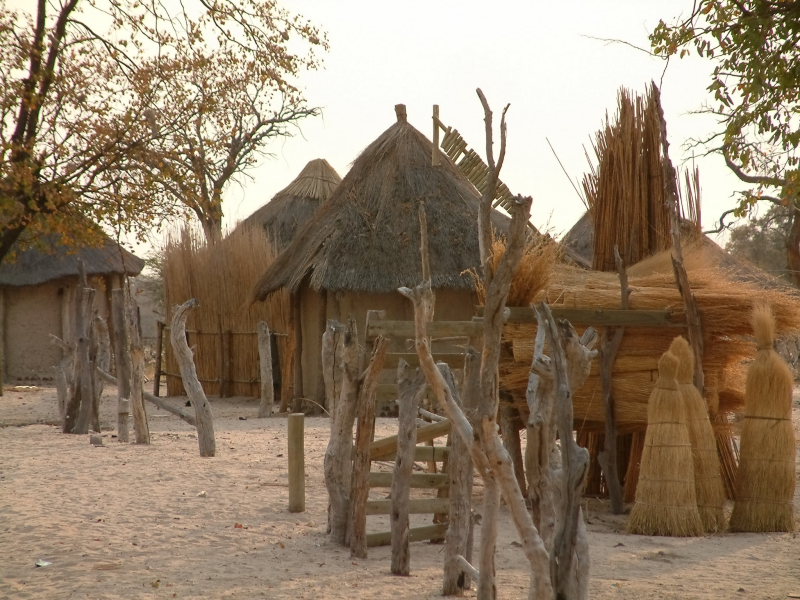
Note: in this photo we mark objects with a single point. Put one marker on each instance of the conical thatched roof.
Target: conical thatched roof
(295, 204)
(366, 237)
(51, 259)
(580, 241)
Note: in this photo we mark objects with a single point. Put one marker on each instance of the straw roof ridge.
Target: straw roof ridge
(52, 259)
(580, 240)
(295, 204)
(366, 237)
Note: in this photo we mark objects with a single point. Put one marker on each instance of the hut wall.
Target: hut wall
(317, 308)
(31, 314)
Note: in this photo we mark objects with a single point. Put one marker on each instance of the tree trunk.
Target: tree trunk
(793, 247)
(183, 354)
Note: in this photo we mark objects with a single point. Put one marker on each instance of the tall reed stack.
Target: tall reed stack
(765, 481)
(666, 501)
(709, 488)
(220, 277)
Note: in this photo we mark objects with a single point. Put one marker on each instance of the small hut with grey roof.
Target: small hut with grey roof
(295, 204)
(37, 298)
(363, 244)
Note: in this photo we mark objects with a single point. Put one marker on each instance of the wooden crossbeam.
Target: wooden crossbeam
(418, 480)
(416, 506)
(386, 447)
(415, 534)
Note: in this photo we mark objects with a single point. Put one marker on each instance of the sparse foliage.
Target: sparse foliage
(755, 82)
(130, 113)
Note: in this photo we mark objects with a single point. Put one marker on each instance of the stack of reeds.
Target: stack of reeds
(666, 502)
(709, 488)
(766, 478)
(626, 191)
(721, 299)
(221, 277)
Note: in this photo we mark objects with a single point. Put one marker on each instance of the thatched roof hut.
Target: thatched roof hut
(364, 243)
(295, 204)
(37, 291)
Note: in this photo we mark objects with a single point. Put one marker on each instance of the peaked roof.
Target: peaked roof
(366, 237)
(580, 240)
(296, 203)
(51, 259)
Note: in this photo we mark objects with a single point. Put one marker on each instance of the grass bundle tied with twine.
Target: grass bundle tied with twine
(708, 485)
(666, 502)
(766, 478)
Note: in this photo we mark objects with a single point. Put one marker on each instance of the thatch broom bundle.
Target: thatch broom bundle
(666, 503)
(765, 481)
(709, 488)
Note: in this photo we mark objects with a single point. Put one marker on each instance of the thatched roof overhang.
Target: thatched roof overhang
(294, 205)
(580, 241)
(50, 259)
(366, 237)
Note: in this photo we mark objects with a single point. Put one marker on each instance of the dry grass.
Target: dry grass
(709, 487)
(532, 275)
(221, 278)
(666, 503)
(626, 192)
(766, 478)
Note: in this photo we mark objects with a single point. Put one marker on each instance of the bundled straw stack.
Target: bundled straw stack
(666, 503)
(766, 478)
(708, 484)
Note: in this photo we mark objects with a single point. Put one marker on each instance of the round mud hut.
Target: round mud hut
(295, 204)
(364, 243)
(38, 291)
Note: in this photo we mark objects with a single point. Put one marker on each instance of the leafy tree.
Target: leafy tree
(755, 82)
(119, 111)
(762, 240)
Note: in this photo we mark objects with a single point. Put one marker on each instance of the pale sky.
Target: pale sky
(539, 57)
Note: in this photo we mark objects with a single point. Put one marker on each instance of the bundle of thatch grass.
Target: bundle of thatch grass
(221, 277)
(626, 192)
(766, 478)
(722, 300)
(533, 273)
(666, 502)
(709, 487)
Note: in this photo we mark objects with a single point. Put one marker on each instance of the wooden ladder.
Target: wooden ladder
(385, 449)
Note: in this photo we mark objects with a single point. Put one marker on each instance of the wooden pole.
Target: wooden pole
(411, 386)
(436, 158)
(123, 362)
(296, 454)
(141, 427)
(159, 352)
(226, 385)
(339, 453)
(361, 460)
(159, 402)
(265, 370)
(202, 409)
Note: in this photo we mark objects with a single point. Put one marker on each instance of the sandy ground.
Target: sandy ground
(158, 521)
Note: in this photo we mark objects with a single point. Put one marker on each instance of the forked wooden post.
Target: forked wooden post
(297, 463)
(265, 370)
